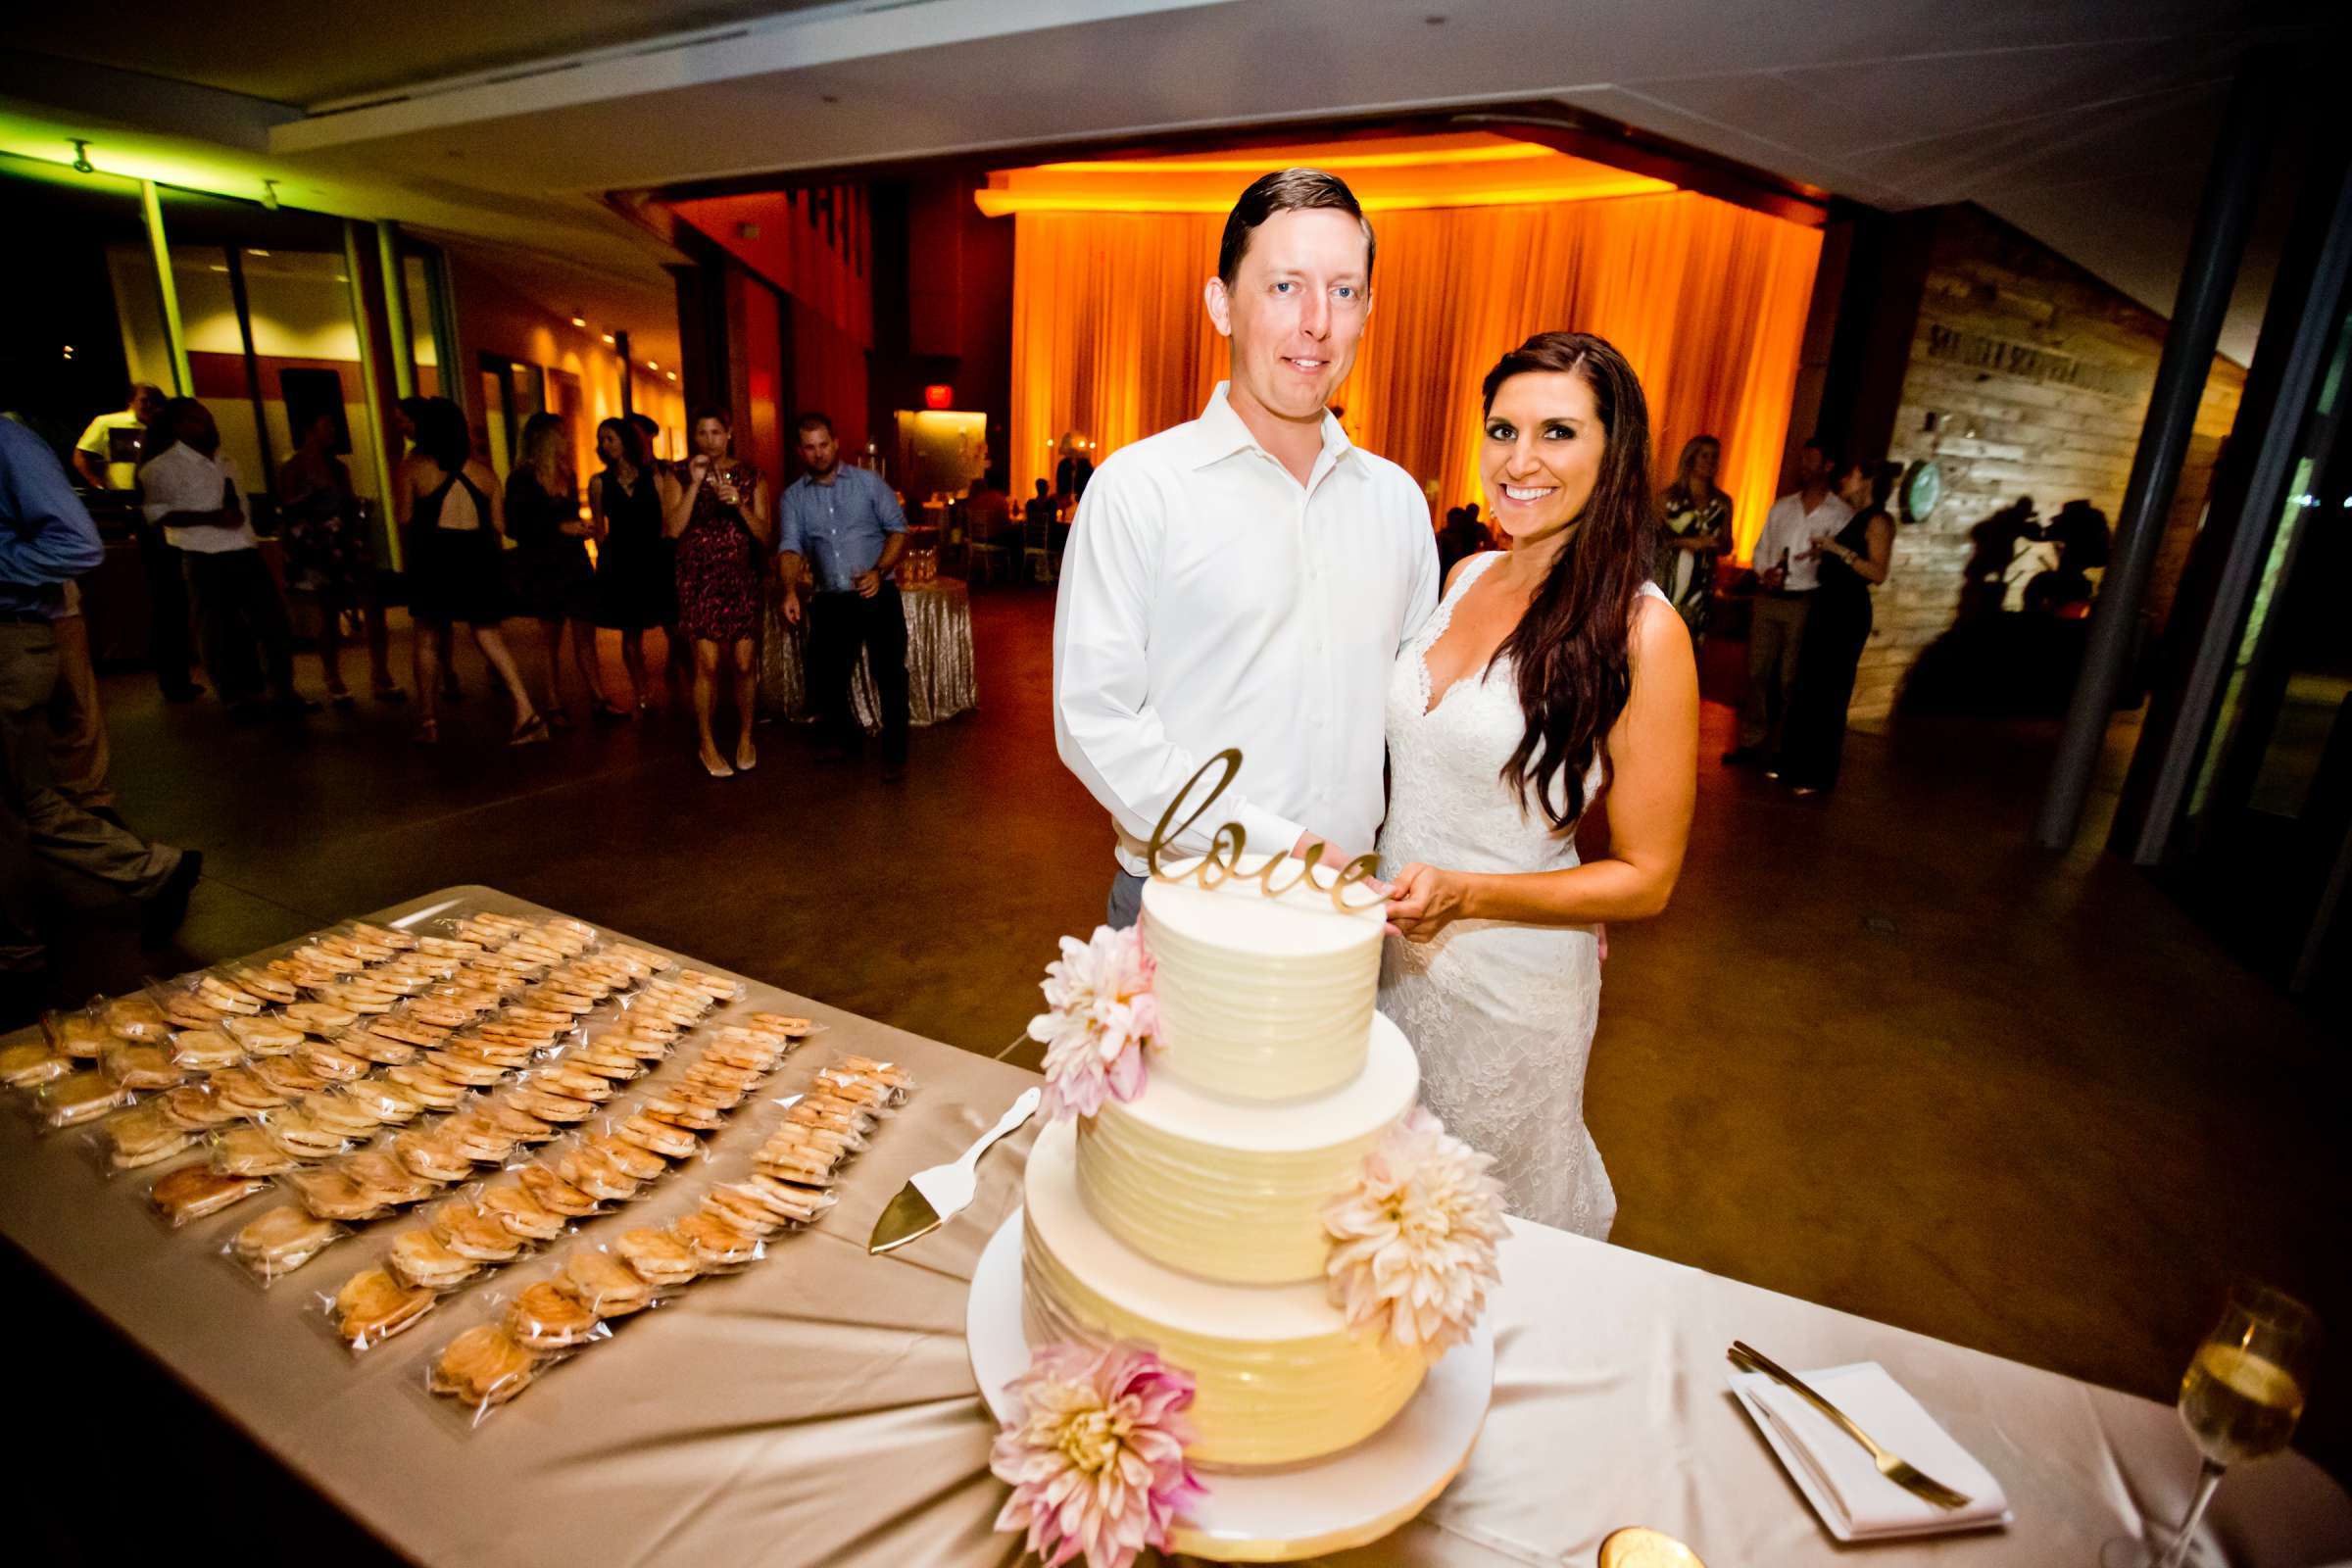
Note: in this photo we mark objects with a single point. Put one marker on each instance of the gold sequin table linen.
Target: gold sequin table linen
(940, 678)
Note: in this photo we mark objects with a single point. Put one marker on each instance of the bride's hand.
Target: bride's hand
(1424, 902)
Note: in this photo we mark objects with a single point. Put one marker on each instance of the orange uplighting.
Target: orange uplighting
(1483, 241)
(1469, 170)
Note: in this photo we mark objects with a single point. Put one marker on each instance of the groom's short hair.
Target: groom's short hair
(1287, 190)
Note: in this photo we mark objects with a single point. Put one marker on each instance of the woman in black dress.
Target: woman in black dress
(1853, 561)
(636, 581)
(324, 532)
(450, 499)
(554, 582)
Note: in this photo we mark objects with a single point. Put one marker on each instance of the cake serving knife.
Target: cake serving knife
(931, 1197)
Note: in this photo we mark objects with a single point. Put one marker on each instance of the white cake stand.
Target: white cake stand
(1283, 1515)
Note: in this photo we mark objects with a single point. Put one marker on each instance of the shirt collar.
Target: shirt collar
(1220, 433)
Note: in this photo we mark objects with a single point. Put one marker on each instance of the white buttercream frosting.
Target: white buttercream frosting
(1262, 997)
(1235, 1191)
(1280, 1378)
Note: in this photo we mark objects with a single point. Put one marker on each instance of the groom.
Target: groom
(1247, 578)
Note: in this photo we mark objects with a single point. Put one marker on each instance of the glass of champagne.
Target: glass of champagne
(2240, 1400)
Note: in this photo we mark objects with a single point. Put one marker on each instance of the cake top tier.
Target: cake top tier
(1302, 922)
(1262, 996)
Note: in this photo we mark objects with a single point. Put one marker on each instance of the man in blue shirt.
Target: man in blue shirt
(46, 539)
(843, 533)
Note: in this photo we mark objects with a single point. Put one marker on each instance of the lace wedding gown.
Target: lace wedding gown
(1500, 1015)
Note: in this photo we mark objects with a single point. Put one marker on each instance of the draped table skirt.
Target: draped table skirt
(940, 678)
(820, 1406)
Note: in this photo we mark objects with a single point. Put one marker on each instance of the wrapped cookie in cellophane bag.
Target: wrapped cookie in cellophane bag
(372, 1305)
(76, 1097)
(30, 1063)
(280, 1240)
(76, 1032)
(138, 1137)
(481, 1369)
(196, 1192)
(140, 1067)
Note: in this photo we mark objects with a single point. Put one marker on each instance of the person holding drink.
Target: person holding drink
(720, 520)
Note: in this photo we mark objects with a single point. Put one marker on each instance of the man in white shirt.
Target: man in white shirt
(1245, 579)
(190, 491)
(106, 457)
(1787, 560)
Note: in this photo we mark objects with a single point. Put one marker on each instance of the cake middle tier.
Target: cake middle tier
(1260, 998)
(1278, 1377)
(1235, 1192)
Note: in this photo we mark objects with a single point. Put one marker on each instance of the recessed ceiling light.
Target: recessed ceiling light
(579, 320)
(673, 375)
(252, 251)
(653, 365)
(607, 337)
(218, 266)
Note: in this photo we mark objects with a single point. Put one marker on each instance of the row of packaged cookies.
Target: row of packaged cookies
(590, 1286)
(299, 1125)
(582, 1175)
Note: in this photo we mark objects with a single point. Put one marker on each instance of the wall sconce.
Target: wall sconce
(81, 158)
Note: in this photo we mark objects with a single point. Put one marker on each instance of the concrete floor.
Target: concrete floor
(1880, 1055)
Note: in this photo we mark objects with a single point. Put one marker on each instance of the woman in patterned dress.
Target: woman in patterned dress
(720, 520)
(1694, 529)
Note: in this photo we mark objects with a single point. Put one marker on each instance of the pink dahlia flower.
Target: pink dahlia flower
(1100, 1020)
(1096, 1457)
(1414, 1236)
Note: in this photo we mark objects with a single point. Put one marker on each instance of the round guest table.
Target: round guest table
(940, 678)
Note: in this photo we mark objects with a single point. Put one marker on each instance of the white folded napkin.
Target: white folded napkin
(1869, 1504)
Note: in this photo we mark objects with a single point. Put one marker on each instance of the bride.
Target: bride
(1550, 672)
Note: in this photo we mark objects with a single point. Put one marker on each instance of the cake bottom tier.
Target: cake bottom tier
(1279, 1378)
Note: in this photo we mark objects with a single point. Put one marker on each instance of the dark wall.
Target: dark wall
(943, 303)
(55, 279)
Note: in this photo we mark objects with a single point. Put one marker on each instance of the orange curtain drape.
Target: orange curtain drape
(1706, 300)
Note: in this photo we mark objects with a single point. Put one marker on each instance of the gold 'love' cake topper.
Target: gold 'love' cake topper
(1226, 845)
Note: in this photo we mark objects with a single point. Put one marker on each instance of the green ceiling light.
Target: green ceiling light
(81, 158)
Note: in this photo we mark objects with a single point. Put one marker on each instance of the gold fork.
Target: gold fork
(1748, 1358)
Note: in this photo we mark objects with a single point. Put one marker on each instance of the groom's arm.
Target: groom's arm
(1105, 728)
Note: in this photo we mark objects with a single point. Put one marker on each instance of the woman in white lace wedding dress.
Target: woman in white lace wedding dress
(1496, 975)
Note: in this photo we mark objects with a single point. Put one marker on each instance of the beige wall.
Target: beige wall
(495, 318)
(2035, 377)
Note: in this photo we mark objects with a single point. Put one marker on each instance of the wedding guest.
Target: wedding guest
(987, 507)
(80, 760)
(453, 572)
(406, 413)
(47, 540)
(634, 589)
(328, 554)
(1244, 579)
(720, 520)
(677, 668)
(1462, 537)
(191, 492)
(108, 457)
(1694, 529)
(1787, 573)
(842, 528)
(1853, 561)
(1074, 473)
(554, 581)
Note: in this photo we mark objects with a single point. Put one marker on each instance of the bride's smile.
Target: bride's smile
(1540, 456)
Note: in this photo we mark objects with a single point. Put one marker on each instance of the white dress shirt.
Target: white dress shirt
(1208, 600)
(183, 479)
(1790, 526)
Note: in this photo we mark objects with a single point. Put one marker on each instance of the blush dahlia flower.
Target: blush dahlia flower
(1096, 1457)
(1413, 1237)
(1101, 1018)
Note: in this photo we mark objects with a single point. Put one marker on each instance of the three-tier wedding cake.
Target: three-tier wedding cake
(1266, 1212)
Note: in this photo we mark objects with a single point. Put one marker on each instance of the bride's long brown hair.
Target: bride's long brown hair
(1570, 649)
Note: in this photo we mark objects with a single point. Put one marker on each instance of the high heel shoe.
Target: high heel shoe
(746, 757)
(532, 731)
(717, 769)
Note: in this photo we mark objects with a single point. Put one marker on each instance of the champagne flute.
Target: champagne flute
(2240, 1400)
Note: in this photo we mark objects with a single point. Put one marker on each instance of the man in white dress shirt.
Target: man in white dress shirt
(1788, 561)
(1245, 579)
